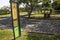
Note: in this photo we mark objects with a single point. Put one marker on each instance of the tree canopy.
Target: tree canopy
(32, 4)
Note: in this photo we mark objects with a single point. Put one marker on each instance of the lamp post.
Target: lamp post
(14, 5)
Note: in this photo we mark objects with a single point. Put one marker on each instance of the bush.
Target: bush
(3, 12)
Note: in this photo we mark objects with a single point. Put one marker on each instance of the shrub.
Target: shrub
(3, 12)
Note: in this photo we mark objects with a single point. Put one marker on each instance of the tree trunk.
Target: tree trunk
(46, 15)
(29, 13)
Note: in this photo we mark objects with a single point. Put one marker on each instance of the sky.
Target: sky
(4, 3)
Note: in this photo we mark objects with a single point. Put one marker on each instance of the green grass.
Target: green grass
(23, 13)
(5, 15)
(5, 34)
(8, 35)
(40, 16)
(33, 15)
(35, 36)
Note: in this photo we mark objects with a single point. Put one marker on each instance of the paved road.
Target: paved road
(33, 25)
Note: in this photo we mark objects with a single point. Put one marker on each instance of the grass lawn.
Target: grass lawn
(40, 16)
(23, 13)
(33, 15)
(8, 35)
(5, 15)
(5, 34)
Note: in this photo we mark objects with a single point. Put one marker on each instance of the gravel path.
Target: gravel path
(5, 23)
(41, 26)
(33, 25)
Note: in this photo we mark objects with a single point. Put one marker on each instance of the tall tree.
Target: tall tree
(46, 4)
(30, 4)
